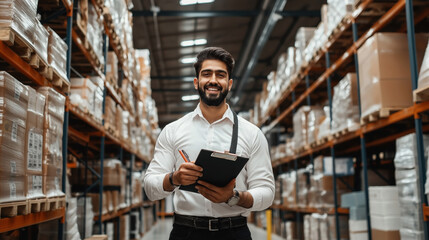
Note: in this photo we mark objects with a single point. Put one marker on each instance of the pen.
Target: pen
(184, 155)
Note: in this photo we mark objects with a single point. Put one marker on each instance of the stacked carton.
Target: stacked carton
(321, 191)
(358, 224)
(322, 227)
(13, 117)
(345, 105)
(34, 144)
(302, 38)
(306, 123)
(407, 181)
(19, 16)
(57, 53)
(384, 71)
(94, 34)
(53, 138)
(424, 70)
(112, 68)
(384, 212)
(40, 40)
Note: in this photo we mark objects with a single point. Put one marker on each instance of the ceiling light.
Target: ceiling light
(188, 43)
(190, 97)
(201, 41)
(190, 2)
(188, 60)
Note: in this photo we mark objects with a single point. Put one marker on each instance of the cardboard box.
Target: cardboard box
(97, 237)
(384, 71)
(385, 235)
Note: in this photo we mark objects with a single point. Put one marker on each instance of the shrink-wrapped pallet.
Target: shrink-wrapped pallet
(87, 214)
(281, 70)
(53, 139)
(345, 105)
(325, 125)
(97, 108)
(34, 144)
(57, 53)
(290, 68)
(125, 134)
(13, 116)
(300, 127)
(384, 72)
(302, 38)
(119, 124)
(94, 32)
(314, 119)
(82, 93)
(18, 16)
(40, 40)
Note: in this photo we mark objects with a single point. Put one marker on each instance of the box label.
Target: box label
(12, 187)
(37, 184)
(13, 167)
(18, 90)
(14, 132)
(34, 153)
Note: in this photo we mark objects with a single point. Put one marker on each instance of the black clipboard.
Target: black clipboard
(218, 168)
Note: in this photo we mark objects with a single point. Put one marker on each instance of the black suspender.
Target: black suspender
(234, 139)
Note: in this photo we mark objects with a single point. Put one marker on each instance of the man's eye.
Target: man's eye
(221, 75)
(206, 74)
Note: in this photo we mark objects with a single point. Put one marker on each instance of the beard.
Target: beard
(212, 100)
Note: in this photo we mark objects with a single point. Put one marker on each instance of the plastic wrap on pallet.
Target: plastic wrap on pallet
(97, 108)
(302, 38)
(337, 10)
(13, 188)
(72, 230)
(407, 234)
(316, 42)
(407, 183)
(424, 70)
(82, 94)
(314, 119)
(406, 151)
(87, 214)
(57, 53)
(13, 115)
(384, 71)
(119, 124)
(300, 127)
(34, 144)
(95, 32)
(325, 125)
(40, 40)
(53, 138)
(345, 105)
(290, 68)
(125, 126)
(272, 87)
(128, 94)
(281, 70)
(19, 16)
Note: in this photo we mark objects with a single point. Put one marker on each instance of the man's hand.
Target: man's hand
(216, 194)
(187, 173)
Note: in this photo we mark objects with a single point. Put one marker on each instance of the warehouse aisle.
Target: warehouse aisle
(162, 229)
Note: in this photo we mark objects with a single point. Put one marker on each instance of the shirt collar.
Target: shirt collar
(228, 114)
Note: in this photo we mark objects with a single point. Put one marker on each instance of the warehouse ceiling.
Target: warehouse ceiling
(255, 32)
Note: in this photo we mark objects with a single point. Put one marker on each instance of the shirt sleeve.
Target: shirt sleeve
(260, 177)
(161, 164)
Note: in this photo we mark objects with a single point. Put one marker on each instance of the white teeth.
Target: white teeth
(212, 89)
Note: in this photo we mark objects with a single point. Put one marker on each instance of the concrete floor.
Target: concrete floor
(161, 231)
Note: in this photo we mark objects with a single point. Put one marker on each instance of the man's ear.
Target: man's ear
(230, 84)
(196, 83)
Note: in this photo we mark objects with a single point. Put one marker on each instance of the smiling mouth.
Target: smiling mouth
(212, 89)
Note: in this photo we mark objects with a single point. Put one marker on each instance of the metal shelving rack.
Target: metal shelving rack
(66, 13)
(357, 141)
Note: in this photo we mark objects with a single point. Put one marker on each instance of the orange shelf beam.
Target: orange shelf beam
(425, 212)
(19, 64)
(21, 221)
(385, 19)
(120, 212)
(312, 210)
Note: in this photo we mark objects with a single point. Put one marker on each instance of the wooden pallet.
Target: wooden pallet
(13, 209)
(303, 149)
(421, 94)
(341, 133)
(54, 203)
(40, 65)
(382, 113)
(59, 81)
(17, 43)
(37, 205)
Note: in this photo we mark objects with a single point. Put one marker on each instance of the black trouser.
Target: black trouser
(180, 232)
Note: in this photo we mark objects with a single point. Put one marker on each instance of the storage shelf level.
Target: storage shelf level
(21, 221)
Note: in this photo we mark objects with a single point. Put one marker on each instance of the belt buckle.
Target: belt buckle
(211, 229)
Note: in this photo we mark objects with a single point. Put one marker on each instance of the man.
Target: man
(214, 212)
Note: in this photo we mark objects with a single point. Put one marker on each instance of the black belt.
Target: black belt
(208, 223)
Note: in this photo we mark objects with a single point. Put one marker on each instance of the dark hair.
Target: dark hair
(215, 53)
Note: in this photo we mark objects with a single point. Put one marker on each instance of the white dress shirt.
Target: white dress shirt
(193, 133)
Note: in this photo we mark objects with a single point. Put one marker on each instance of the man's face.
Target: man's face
(213, 84)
